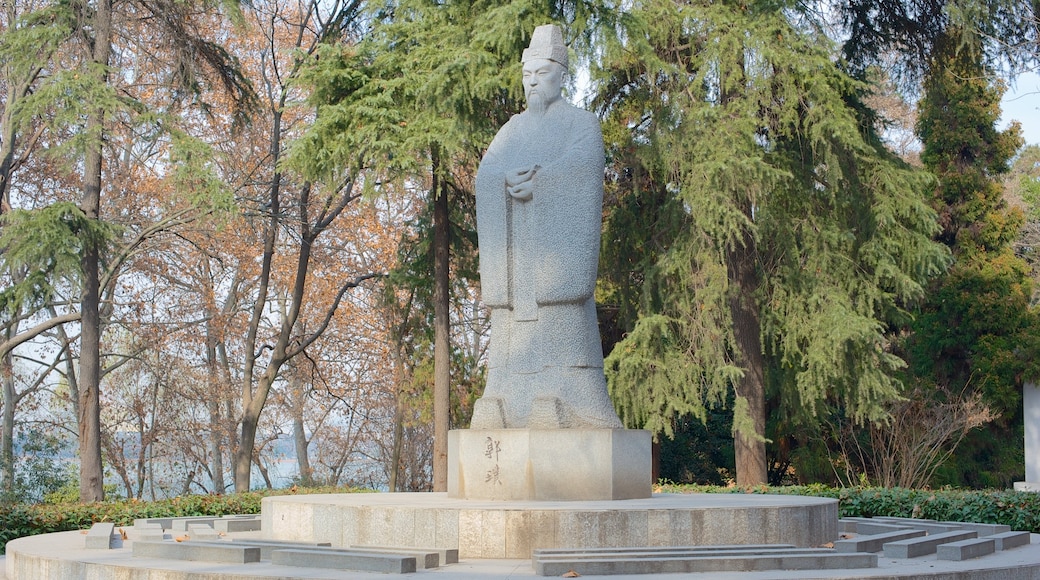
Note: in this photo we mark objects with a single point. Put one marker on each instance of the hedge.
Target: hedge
(17, 520)
(1018, 509)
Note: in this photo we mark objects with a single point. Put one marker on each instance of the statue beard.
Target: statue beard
(536, 103)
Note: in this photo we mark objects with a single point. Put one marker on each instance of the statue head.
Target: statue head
(545, 63)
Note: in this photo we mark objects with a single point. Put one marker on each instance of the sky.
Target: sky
(1022, 103)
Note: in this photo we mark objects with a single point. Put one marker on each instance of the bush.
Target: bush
(18, 520)
(1018, 509)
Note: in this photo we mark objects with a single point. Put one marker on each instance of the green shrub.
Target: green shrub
(17, 520)
(1018, 509)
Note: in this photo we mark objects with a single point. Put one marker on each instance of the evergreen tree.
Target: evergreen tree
(975, 332)
(419, 100)
(800, 239)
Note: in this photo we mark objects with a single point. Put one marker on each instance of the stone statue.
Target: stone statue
(539, 206)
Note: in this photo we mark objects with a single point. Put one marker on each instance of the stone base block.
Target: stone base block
(549, 464)
(1027, 486)
(491, 529)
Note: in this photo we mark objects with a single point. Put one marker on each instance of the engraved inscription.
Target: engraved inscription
(492, 449)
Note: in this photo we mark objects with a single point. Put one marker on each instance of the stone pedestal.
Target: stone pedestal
(549, 464)
(1031, 416)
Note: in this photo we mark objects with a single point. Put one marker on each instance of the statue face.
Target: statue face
(543, 81)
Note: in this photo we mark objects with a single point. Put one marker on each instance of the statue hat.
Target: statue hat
(547, 42)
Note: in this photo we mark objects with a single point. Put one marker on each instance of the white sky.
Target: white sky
(1022, 103)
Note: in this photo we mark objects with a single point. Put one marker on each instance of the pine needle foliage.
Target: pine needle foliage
(741, 122)
(42, 251)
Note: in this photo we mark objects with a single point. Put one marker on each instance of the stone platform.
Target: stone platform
(583, 464)
(513, 529)
(67, 556)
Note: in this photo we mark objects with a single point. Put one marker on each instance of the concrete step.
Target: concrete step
(345, 560)
(726, 562)
(965, 549)
(875, 542)
(447, 555)
(197, 551)
(268, 546)
(103, 536)
(914, 547)
(719, 548)
(1009, 540)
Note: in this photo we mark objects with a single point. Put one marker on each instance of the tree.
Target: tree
(426, 91)
(801, 240)
(975, 333)
(76, 103)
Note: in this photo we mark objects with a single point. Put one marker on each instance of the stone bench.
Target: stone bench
(103, 536)
(224, 552)
(445, 555)
(965, 549)
(1009, 540)
(344, 560)
(692, 559)
(982, 529)
(202, 532)
(914, 547)
(875, 542)
(237, 524)
(269, 546)
(146, 532)
(930, 526)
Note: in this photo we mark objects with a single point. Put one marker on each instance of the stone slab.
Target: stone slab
(930, 526)
(202, 532)
(1031, 413)
(181, 524)
(915, 547)
(874, 543)
(345, 560)
(268, 546)
(965, 549)
(228, 525)
(873, 528)
(1009, 540)
(981, 529)
(727, 563)
(197, 552)
(447, 556)
(146, 532)
(486, 529)
(549, 464)
(103, 536)
(696, 552)
(648, 549)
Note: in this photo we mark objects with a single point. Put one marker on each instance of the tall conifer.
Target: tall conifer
(800, 238)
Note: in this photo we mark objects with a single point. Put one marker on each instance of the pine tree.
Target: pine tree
(800, 239)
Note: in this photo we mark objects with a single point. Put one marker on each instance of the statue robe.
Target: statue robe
(538, 263)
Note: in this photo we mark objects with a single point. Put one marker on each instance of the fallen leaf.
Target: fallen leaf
(122, 533)
(571, 574)
(181, 538)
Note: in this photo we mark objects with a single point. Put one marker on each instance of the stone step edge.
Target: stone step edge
(722, 563)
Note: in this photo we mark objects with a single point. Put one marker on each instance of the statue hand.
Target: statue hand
(523, 191)
(518, 176)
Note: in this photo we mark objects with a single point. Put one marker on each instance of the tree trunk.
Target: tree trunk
(216, 428)
(303, 459)
(91, 475)
(7, 436)
(749, 447)
(441, 323)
